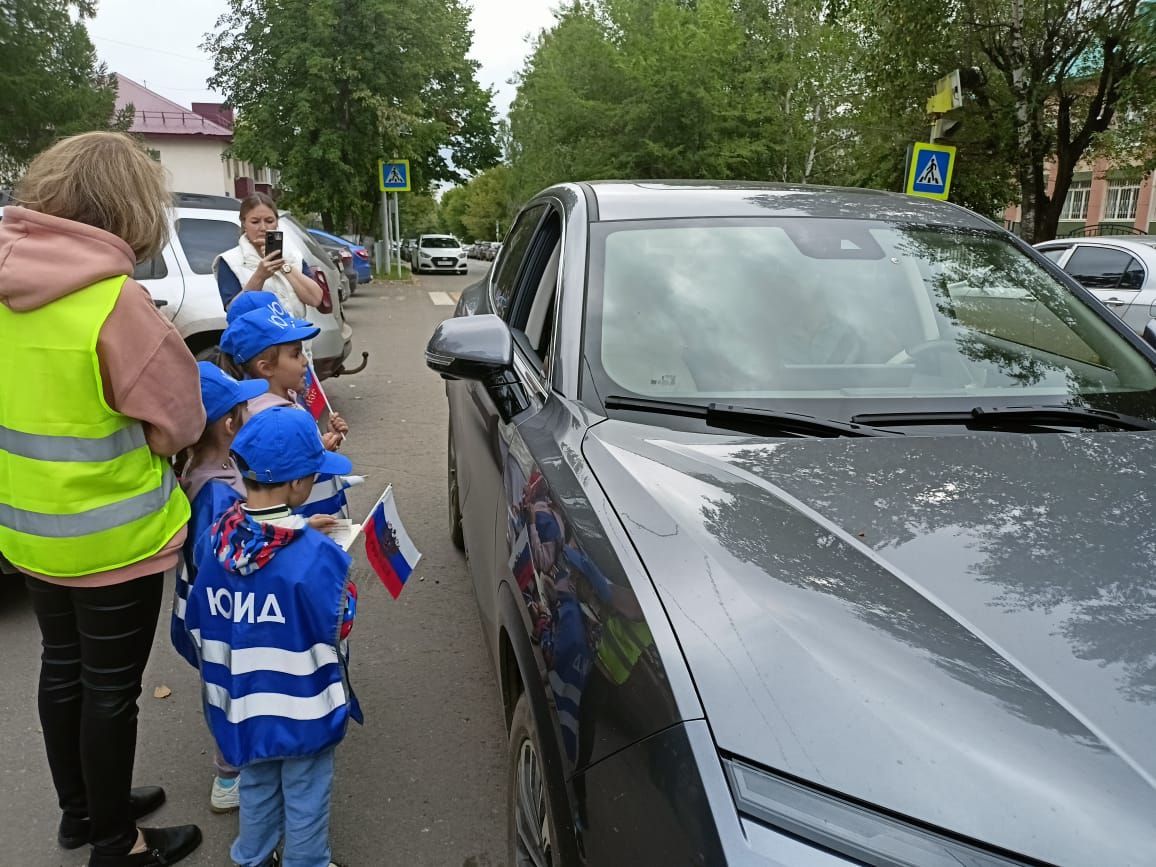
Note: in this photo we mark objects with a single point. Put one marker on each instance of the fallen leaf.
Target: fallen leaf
(162, 691)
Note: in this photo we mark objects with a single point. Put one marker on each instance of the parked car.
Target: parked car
(181, 281)
(845, 560)
(1121, 272)
(361, 258)
(343, 259)
(438, 253)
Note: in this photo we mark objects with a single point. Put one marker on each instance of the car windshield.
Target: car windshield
(440, 243)
(847, 310)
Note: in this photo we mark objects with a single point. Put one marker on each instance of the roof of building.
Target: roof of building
(155, 115)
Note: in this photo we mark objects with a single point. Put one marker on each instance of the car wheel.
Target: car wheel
(457, 535)
(532, 829)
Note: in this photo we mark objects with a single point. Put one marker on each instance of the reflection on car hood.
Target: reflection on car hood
(959, 629)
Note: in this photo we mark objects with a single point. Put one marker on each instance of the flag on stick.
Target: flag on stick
(391, 552)
(313, 397)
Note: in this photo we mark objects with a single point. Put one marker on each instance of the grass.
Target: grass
(398, 272)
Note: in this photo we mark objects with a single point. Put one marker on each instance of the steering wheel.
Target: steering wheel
(923, 349)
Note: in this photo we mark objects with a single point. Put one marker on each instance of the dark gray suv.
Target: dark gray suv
(807, 527)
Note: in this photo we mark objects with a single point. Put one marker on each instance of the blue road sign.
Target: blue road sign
(929, 174)
(393, 176)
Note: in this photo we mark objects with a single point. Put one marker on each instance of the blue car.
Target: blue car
(361, 259)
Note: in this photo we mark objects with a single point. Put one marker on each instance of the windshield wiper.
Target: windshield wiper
(750, 419)
(999, 416)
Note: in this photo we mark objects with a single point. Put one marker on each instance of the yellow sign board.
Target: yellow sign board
(929, 173)
(948, 94)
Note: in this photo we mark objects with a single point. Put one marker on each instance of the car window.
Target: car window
(844, 310)
(205, 240)
(531, 316)
(1134, 276)
(1055, 253)
(441, 243)
(303, 237)
(151, 269)
(1098, 267)
(517, 244)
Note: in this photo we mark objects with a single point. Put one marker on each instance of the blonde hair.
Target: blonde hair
(106, 180)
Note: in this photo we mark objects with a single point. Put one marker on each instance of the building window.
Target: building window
(1076, 204)
(1122, 200)
(154, 153)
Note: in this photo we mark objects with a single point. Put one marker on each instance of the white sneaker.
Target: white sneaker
(226, 795)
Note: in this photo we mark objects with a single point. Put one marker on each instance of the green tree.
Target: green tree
(419, 214)
(325, 88)
(452, 211)
(1052, 84)
(489, 204)
(51, 84)
(754, 89)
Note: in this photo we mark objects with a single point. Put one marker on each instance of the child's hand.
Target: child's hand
(324, 523)
(337, 424)
(331, 441)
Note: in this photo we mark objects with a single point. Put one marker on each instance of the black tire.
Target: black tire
(453, 495)
(531, 815)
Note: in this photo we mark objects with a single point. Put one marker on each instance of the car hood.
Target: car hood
(957, 629)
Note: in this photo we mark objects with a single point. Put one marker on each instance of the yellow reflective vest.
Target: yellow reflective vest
(80, 491)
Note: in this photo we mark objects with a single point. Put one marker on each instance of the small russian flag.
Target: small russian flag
(391, 552)
(313, 397)
(521, 562)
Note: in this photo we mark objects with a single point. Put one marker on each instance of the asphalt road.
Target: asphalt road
(423, 782)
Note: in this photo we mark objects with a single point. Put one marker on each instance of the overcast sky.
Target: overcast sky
(158, 42)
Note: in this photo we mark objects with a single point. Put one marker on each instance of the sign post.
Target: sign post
(392, 177)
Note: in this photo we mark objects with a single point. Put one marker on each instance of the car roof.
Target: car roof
(641, 200)
(208, 202)
(1144, 242)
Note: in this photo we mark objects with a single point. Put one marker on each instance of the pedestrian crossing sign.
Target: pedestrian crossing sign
(393, 176)
(929, 172)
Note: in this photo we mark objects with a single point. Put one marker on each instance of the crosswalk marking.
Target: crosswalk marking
(444, 299)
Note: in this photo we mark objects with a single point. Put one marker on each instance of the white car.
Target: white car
(442, 253)
(181, 280)
(1120, 271)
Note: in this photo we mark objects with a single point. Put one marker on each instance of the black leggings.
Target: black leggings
(96, 643)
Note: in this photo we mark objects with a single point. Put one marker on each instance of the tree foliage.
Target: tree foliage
(325, 88)
(833, 91)
(1052, 83)
(51, 84)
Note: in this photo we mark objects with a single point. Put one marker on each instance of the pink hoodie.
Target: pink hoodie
(147, 370)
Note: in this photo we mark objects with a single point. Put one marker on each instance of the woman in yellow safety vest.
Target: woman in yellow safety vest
(97, 392)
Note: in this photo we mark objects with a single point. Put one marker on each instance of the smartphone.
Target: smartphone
(275, 243)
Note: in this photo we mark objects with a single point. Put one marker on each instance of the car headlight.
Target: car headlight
(425, 255)
(862, 834)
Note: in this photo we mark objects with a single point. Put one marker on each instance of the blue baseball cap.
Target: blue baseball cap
(247, 302)
(282, 445)
(254, 332)
(220, 392)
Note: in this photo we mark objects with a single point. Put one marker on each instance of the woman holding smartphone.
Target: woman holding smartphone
(259, 263)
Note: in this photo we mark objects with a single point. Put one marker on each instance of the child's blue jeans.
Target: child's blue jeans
(287, 798)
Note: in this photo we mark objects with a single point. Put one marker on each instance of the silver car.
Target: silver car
(1121, 272)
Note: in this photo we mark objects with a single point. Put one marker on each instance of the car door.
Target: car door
(474, 436)
(1114, 276)
(162, 277)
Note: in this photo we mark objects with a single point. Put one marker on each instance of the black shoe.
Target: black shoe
(165, 846)
(75, 833)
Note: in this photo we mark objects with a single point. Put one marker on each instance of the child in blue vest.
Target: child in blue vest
(268, 615)
(213, 485)
(267, 343)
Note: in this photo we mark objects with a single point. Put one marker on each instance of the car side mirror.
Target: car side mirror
(1149, 334)
(471, 347)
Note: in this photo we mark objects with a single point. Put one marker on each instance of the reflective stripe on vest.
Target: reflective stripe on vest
(39, 447)
(93, 521)
(80, 491)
